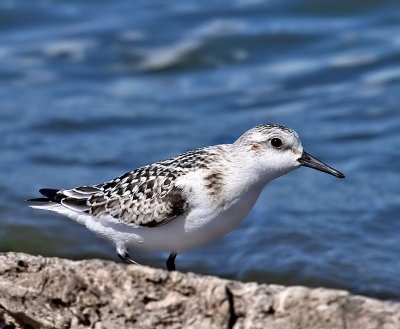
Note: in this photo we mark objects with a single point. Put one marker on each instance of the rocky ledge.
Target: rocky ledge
(37, 292)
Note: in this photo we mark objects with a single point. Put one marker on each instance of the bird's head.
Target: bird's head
(275, 150)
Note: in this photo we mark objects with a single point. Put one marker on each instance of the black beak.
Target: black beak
(307, 160)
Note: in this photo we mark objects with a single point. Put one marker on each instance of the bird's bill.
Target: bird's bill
(307, 160)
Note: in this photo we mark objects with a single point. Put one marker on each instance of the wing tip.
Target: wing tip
(50, 195)
(38, 200)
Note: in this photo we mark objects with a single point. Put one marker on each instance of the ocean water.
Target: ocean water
(90, 90)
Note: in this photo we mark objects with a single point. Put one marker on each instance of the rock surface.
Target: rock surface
(37, 292)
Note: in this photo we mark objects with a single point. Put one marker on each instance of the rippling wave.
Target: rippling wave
(92, 89)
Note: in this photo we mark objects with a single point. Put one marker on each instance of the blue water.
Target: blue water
(92, 89)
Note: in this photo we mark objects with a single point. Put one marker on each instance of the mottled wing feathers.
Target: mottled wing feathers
(147, 196)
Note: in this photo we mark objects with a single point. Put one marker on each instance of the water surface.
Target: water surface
(92, 89)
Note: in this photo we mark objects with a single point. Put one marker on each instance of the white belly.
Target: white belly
(198, 228)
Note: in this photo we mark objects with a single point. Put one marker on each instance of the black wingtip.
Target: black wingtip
(38, 200)
(51, 195)
(49, 192)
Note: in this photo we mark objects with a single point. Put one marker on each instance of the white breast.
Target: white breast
(200, 226)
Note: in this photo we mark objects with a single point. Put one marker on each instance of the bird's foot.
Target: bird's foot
(124, 255)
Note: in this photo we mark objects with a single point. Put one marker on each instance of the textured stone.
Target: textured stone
(37, 292)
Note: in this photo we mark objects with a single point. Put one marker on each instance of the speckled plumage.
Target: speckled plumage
(146, 196)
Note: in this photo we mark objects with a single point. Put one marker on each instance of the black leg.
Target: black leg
(171, 262)
(124, 255)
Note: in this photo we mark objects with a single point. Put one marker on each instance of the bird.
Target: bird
(185, 201)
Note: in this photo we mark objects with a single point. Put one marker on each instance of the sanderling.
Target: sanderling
(186, 201)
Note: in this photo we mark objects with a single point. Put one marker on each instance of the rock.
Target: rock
(37, 292)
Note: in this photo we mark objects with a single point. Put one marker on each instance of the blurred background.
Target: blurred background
(92, 89)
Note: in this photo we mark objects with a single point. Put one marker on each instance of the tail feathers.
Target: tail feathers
(47, 206)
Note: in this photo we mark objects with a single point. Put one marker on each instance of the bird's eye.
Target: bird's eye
(276, 142)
